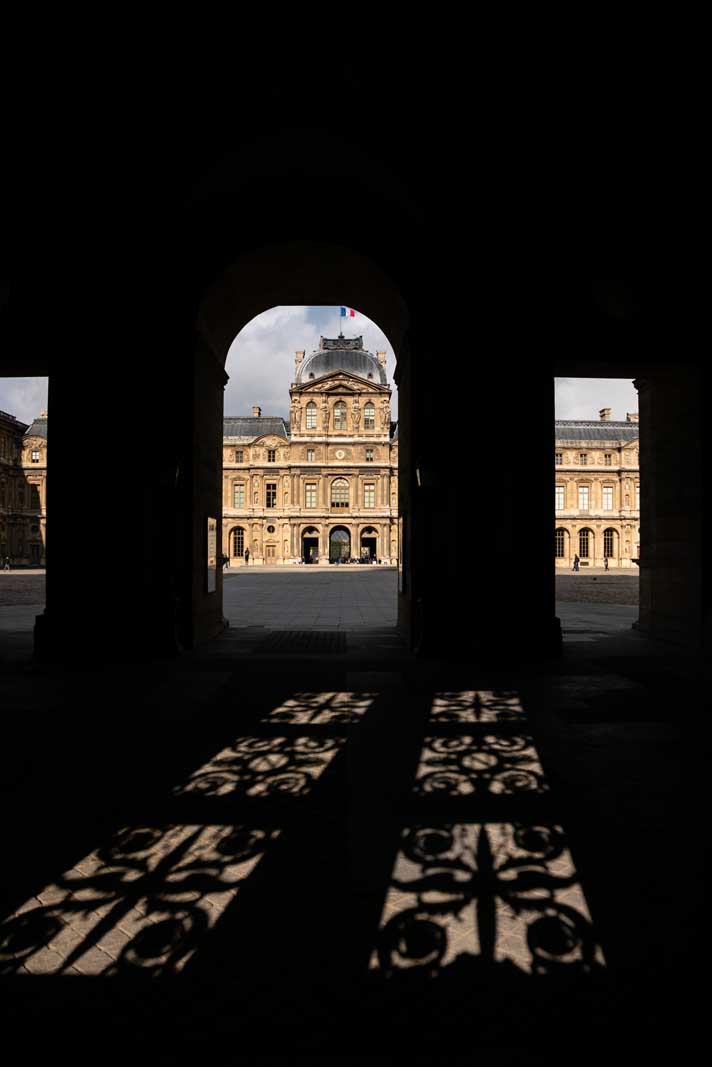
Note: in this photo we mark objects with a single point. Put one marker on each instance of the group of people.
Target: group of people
(577, 562)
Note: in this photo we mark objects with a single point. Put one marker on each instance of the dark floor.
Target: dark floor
(332, 852)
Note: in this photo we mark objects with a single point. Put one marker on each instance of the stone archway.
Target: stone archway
(310, 545)
(339, 544)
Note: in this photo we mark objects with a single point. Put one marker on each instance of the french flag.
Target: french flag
(347, 313)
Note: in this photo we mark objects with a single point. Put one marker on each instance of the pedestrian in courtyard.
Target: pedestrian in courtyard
(605, 563)
(247, 556)
(6, 563)
(576, 562)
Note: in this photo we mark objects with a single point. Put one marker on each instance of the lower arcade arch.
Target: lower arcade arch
(339, 544)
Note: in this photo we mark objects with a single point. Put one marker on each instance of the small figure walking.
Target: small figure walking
(605, 563)
(576, 562)
(247, 556)
(6, 563)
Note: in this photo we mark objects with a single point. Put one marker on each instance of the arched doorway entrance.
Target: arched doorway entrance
(339, 545)
(310, 545)
(369, 543)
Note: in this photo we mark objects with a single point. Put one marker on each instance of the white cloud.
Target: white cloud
(583, 398)
(260, 361)
(25, 398)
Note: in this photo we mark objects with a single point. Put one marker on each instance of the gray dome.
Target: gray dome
(341, 353)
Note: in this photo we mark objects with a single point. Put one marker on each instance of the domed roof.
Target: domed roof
(341, 353)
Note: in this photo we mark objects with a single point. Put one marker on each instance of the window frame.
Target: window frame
(369, 490)
(271, 455)
(584, 490)
(339, 415)
(369, 416)
(341, 485)
(559, 497)
(310, 416)
(235, 487)
(310, 490)
(270, 495)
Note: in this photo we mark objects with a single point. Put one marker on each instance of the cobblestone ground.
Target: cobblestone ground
(597, 587)
(21, 588)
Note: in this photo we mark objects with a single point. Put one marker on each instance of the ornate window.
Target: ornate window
(340, 415)
(270, 494)
(583, 497)
(560, 543)
(238, 541)
(369, 455)
(608, 498)
(271, 455)
(310, 455)
(558, 458)
(369, 495)
(311, 415)
(369, 417)
(560, 497)
(310, 495)
(340, 493)
(239, 456)
(584, 543)
(609, 543)
(238, 495)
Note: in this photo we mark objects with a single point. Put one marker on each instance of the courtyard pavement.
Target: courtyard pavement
(328, 852)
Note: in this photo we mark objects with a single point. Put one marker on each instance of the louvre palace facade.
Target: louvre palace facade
(323, 486)
(597, 493)
(23, 490)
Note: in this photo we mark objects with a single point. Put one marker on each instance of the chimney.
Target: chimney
(631, 416)
(381, 356)
(605, 414)
(256, 412)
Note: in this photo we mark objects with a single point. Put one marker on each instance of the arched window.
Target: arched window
(609, 543)
(340, 416)
(238, 541)
(584, 543)
(560, 544)
(369, 417)
(340, 493)
(311, 415)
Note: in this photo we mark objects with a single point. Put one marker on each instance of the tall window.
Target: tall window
(560, 544)
(271, 455)
(340, 416)
(369, 495)
(369, 417)
(238, 541)
(340, 493)
(608, 543)
(583, 497)
(583, 458)
(637, 498)
(310, 455)
(607, 459)
(584, 543)
(238, 495)
(369, 455)
(271, 495)
(239, 456)
(310, 495)
(560, 497)
(559, 458)
(311, 415)
(608, 498)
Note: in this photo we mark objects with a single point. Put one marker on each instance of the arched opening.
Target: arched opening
(339, 545)
(369, 543)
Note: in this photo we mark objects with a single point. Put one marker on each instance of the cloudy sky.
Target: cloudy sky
(260, 364)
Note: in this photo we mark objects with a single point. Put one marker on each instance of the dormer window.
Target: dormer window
(369, 417)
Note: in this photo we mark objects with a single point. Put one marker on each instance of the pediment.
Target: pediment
(271, 440)
(340, 381)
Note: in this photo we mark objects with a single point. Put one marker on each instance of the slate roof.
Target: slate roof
(37, 429)
(254, 426)
(599, 430)
(341, 353)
